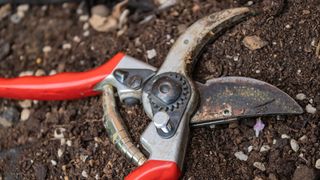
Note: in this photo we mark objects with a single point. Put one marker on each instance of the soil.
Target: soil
(28, 149)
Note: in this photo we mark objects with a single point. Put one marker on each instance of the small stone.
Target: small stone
(151, 53)
(58, 133)
(196, 8)
(265, 148)
(76, 39)
(15, 19)
(69, 143)
(250, 3)
(301, 96)
(60, 152)
(40, 72)
(317, 165)
(241, 156)
(288, 26)
(100, 10)
(103, 24)
(25, 103)
(23, 7)
(84, 174)
(97, 177)
(25, 114)
(85, 26)
(5, 11)
(66, 46)
(274, 141)
(83, 18)
(86, 33)
(9, 116)
(254, 42)
(303, 138)
(83, 157)
(310, 109)
(259, 165)
(52, 72)
(250, 148)
(46, 49)
(53, 162)
(212, 126)
(285, 136)
(26, 73)
(294, 145)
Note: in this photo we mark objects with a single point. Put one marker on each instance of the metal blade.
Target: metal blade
(228, 98)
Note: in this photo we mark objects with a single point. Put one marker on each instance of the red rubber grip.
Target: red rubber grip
(156, 170)
(61, 86)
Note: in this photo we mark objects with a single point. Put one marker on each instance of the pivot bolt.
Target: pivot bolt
(162, 121)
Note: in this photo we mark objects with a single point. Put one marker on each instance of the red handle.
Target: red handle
(57, 87)
(156, 170)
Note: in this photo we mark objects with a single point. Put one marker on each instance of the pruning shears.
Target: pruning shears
(169, 96)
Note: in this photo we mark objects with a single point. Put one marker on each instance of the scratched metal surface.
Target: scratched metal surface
(228, 98)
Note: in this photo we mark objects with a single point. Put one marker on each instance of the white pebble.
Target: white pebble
(265, 148)
(259, 165)
(258, 71)
(69, 143)
(151, 53)
(241, 156)
(84, 174)
(85, 26)
(294, 145)
(60, 152)
(212, 126)
(84, 18)
(310, 109)
(303, 138)
(285, 136)
(23, 8)
(58, 133)
(249, 3)
(97, 176)
(15, 18)
(26, 73)
(301, 96)
(25, 103)
(46, 49)
(66, 46)
(236, 58)
(40, 72)
(274, 141)
(53, 162)
(76, 39)
(250, 148)
(52, 72)
(25, 114)
(83, 157)
(317, 164)
(86, 33)
(288, 26)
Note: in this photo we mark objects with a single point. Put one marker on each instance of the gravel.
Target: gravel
(260, 166)
(310, 109)
(241, 156)
(294, 145)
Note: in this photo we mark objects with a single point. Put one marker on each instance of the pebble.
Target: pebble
(151, 53)
(69, 143)
(288, 26)
(103, 24)
(259, 165)
(15, 19)
(58, 133)
(4, 49)
(254, 42)
(23, 7)
(83, 157)
(303, 138)
(5, 11)
(305, 12)
(9, 116)
(317, 165)
(294, 145)
(250, 148)
(66, 46)
(310, 109)
(60, 152)
(84, 174)
(265, 148)
(285, 136)
(83, 18)
(25, 114)
(85, 26)
(241, 156)
(76, 39)
(40, 72)
(301, 96)
(25, 103)
(52, 72)
(100, 10)
(250, 3)
(86, 33)
(46, 49)
(53, 162)
(26, 73)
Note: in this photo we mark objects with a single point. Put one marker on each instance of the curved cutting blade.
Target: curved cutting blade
(228, 98)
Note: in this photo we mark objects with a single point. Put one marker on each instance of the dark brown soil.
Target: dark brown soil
(291, 28)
